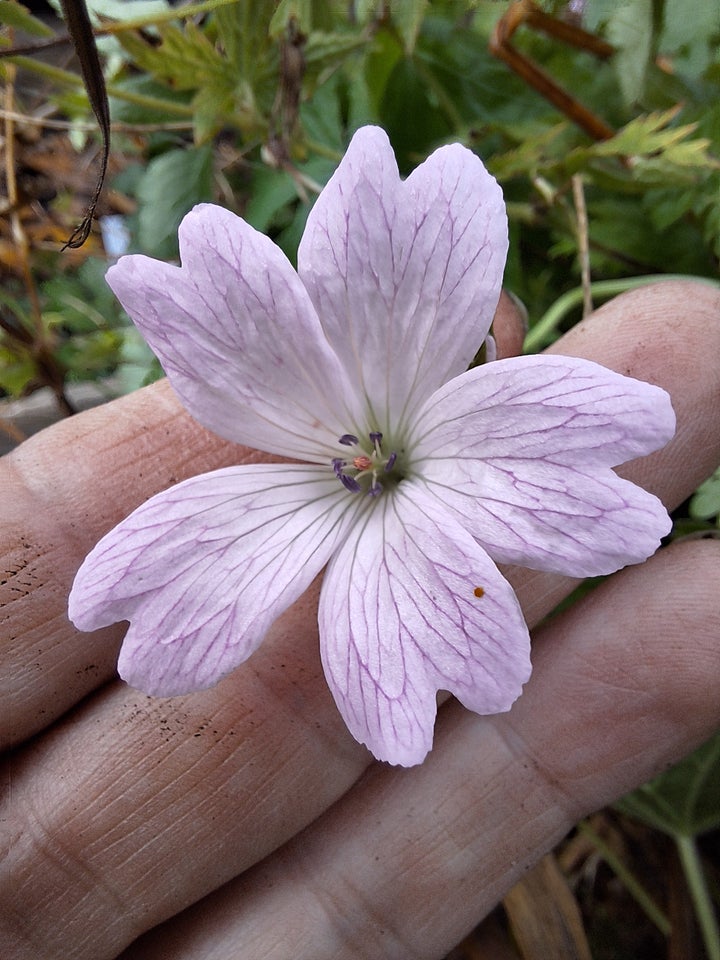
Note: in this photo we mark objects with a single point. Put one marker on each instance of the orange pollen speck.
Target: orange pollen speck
(362, 463)
(479, 592)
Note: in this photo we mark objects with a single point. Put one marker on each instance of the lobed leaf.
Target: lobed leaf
(685, 801)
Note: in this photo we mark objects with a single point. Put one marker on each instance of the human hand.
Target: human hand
(124, 811)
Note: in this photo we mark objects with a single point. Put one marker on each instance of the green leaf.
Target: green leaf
(706, 500)
(685, 801)
(271, 191)
(407, 15)
(184, 57)
(288, 11)
(321, 117)
(646, 134)
(90, 356)
(16, 373)
(243, 32)
(138, 364)
(13, 14)
(140, 99)
(408, 95)
(324, 51)
(690, 40)
(630, 30)
(172, 184)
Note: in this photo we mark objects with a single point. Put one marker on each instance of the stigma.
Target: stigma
(361, 472)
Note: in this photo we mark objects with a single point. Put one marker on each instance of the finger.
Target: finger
(509, 326)
(64, 489)
(656, 344)
(222, 778)
(624, 684)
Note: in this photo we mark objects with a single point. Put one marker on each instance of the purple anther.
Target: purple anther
(350, 483)
(390, 462)
(338, 466)
(348, 440)
(376, 489)
(376, 437)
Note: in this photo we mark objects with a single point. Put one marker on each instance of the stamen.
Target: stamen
(349, 483)
(364, 468)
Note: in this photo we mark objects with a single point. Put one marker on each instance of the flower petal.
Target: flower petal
(410, 605)
(405, 276)
(203, 569)
(238, 337)
(521, 449)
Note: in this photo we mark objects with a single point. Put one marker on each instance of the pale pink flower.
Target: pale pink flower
(415, 476)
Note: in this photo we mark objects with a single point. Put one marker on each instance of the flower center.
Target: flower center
(362, 471)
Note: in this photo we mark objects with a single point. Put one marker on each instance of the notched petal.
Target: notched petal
(405, 275)
(411, 605)
(521, 451)
(238, 337)
(203, 569)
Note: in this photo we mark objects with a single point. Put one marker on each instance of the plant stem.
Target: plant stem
(541, 333)
(704, 911)
(628, 879)
(70, 79)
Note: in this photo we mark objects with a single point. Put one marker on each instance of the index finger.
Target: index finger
(62, 490)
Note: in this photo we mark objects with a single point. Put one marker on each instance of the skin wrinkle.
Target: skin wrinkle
(61, 856)
(519, 755)
(117, 804)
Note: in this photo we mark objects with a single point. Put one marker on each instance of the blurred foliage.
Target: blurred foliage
(705, 504)
(684, 801)
(251, 103)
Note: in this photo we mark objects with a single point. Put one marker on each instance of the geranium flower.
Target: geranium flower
(415, 476)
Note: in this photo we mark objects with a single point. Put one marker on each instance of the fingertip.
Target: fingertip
(509, 325)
